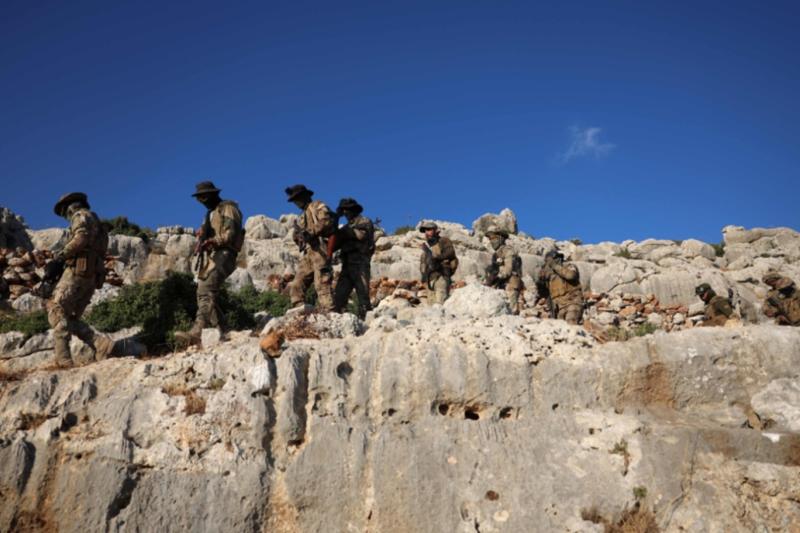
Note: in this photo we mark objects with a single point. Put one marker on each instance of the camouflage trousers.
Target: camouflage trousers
(70, 298)
(353, 276)
(209, 313)
(313, 267)
(438, 289)
(569, 309)
(513, 288)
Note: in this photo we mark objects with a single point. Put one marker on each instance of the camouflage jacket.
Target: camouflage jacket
(225, 226)
(508, 267)
(445, 261)
(87, 244)
(357, 240)
(717, 311)
(317, 223)
(783, 305)
(563, 281)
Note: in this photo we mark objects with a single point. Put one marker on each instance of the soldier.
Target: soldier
(312, 233)
(783, 300)
(505, 271)
(356, 240)
(438, 263)
(83, 258)
(562, 286)
(718, 309)
(219, 241)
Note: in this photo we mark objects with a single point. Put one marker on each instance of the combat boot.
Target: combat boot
(103, 347)
(63, 357)
(188, 338)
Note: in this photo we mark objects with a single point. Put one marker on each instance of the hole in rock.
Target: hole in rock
(492, 495)
(443, 408)
(554, 407)
(471, 414)
(70, 420)
(343, 370)
(390, 412)
(506, 412)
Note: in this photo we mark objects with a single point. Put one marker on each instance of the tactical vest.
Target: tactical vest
(560, 287)
(90, 261)
(318, 220)
(440, 248)
(354, 248)
(227, 209)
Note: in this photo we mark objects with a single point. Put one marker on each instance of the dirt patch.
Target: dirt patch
(194, 403)
(651, 385)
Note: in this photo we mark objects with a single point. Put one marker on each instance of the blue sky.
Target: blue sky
(595, 120)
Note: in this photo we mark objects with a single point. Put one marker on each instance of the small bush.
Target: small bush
(402, 230)
(576, 241)
(28, 323)
(640, 493)
(123, 226)
(624, 253)
(719, 248)
(161, 308)
(643, 329)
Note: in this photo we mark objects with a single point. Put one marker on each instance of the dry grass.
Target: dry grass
(31, 420)
(634, 520)
(194, 403)
(7, 376)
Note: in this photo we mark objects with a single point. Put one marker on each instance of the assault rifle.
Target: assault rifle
(53, 271)
(492, 273)
(430, 265)
(200, 248)
(543, 290)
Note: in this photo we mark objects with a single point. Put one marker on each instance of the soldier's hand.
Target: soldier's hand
(208, 245)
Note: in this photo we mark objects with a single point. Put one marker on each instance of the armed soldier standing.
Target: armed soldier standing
(718, 309)
(356, 240)
(561, 284)
(783, 300)
(312, 234)
(83, 260)
(505, 270)
(219, 242)
(438, 263)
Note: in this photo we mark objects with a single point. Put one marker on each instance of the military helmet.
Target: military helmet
(205, 187)
(65, 201)
(426, 225)
(349, 204)
(554, 254)
(496, 230)
(702, 289)
(296, 191)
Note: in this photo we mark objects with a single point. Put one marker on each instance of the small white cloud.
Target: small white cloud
(585, 142)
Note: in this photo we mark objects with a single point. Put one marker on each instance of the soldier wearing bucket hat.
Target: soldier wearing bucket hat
(718, 309)
(437, 264)
(356, 240)
(783, 300)
(314, 235)
(84, 271)
(219, 241)
(505, 270)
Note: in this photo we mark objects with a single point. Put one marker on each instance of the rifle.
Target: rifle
(300, 236)
(492, 272)
(543, 290)
(53, 271)
(199, 247)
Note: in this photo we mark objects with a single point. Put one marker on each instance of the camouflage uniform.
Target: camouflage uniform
(445, 264)
(316, 223)
(223, 235)
(84, 255)
(564, 283)
(718, 309)
(783, 300)
(356, 240)
(505, 271)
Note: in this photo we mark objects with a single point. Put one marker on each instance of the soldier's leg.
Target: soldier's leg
(209, 314)
(323, 279)
(344, 286)
(573, 313)
(441, 289)
(84, 289)
(302, 277)
(513, 299)
(362, 275)
(59, 314)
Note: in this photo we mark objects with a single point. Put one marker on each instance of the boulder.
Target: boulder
(477, 301)
(506, 220)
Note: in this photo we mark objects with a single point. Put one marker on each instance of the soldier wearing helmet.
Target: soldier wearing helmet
(783, 300)
(718, 309)
(562, 283)
(356, 240)
(438, 263)
(84, 260)
(505, 270)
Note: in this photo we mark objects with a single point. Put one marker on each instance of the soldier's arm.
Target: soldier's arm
(568, 272)
(228, 233)
(446, 250)
(723, 307)
(79, 241)
(321, 219)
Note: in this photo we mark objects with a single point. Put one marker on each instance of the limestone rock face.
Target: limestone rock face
(435, 418)
(506, 220)
(13, 232)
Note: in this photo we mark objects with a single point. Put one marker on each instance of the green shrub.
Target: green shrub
(576, 241)
(28, 323)
(624, 253)
(643, 329)
(402, 230)
(719, 248)
(161, 308)
(123, 226)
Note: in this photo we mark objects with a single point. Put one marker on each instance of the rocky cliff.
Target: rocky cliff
(424, 418)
